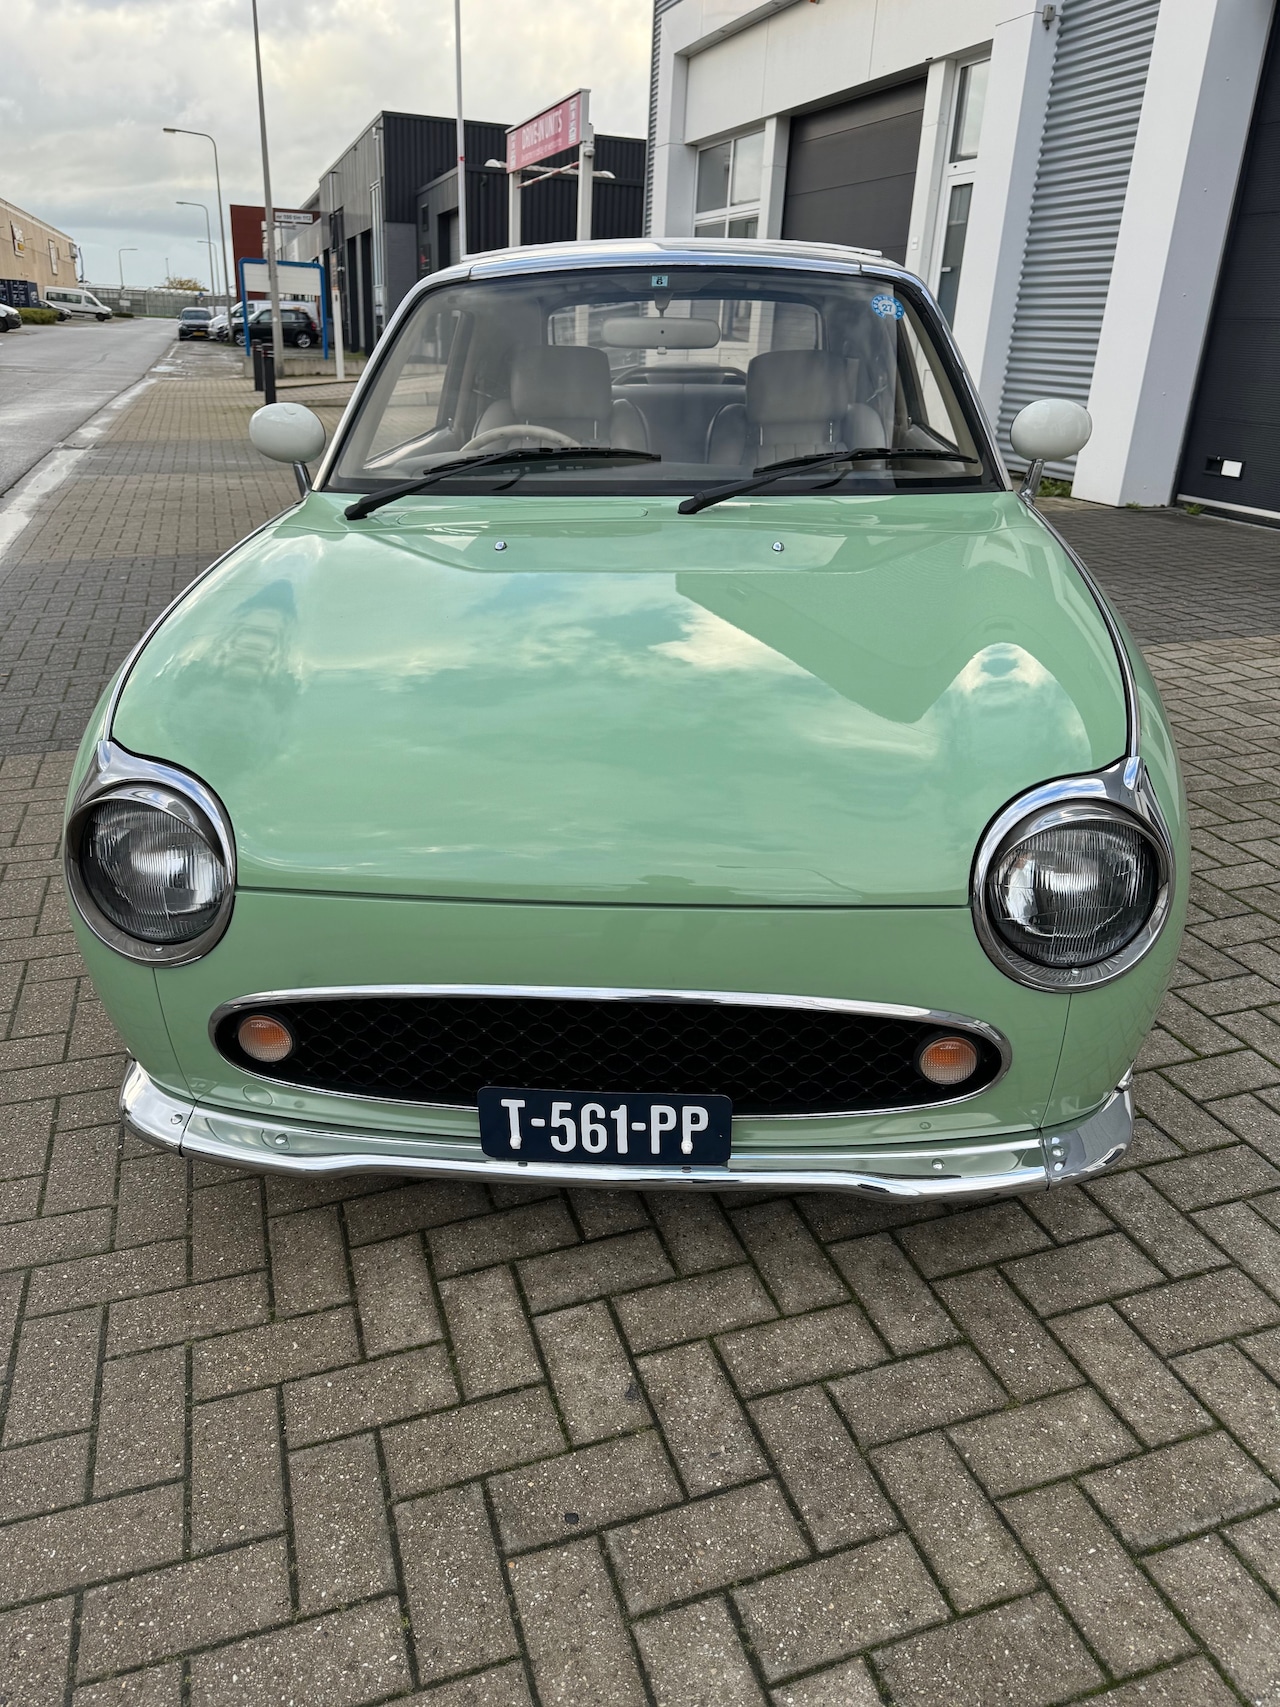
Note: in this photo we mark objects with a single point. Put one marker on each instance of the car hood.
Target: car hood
(814, 701)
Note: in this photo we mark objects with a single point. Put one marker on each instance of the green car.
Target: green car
(661, 748)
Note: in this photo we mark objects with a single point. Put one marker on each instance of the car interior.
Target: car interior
(712, 383)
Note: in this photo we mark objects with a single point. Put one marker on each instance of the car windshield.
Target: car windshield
(197, 314)
(717, 370)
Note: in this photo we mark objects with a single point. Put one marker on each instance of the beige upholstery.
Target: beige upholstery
(797, 404)
(567, 387)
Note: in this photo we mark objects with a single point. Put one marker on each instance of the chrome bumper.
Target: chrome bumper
(1025, 1162)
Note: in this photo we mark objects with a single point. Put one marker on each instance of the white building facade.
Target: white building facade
(1088, 187)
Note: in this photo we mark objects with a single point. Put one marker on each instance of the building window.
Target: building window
(53, 257)
(957, 183)
(728, 193)
(971, 98)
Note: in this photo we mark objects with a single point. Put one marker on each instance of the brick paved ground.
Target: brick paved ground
(276, 1443)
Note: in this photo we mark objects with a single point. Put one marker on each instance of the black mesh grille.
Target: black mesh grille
(769, 1060)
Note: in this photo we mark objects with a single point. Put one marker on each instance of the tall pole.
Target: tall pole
(269, 212)
(129, 249)
(208, 237)
(462, 139)
(586, 167)
(176, 130)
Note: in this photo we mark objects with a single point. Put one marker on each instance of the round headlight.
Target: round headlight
(1074, 894)
(152, 874)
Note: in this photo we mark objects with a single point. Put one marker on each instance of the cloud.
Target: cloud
(86, 87)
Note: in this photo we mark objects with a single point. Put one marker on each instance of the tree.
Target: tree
(183, 284)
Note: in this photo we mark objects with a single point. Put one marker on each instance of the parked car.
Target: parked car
(57, 308)
(664, 748)
(10, 319)
(223, 330)
(79, 303)
(194, 323)
(296, 327)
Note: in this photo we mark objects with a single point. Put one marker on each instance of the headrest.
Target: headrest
(796, 385)
(561, 381)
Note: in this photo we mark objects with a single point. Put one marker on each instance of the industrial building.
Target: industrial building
(388, 208)
(33, 256)
(1088, 187)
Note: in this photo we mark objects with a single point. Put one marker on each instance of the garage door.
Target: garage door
(1232, 455)
(851, 171)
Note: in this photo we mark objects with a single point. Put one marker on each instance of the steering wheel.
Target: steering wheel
(517, 430)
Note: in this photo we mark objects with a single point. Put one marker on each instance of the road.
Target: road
(53, 378)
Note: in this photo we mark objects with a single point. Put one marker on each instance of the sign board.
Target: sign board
(19, 241)
(299, 281)
(291, 216)
(550, 132)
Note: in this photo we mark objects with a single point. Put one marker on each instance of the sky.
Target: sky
(86, 87)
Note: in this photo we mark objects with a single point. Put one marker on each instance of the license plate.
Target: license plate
(627, 1128)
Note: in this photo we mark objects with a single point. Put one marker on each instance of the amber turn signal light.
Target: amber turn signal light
(948, 1060)
(265, 1039)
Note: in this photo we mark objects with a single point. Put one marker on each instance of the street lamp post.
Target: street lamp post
(462, 136)
(176, 130)
(129, 249)
(269, 212)
(208, 237)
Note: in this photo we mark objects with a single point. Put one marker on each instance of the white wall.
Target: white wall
(1205, 62)
(725, 66)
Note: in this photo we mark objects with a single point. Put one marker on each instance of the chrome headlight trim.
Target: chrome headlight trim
(1122, 792)
(117, 774)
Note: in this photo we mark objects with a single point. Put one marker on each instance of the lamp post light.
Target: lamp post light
(175, 130)
(269, 212)
(208, 237)
(129, 249)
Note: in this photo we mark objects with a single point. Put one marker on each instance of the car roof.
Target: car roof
(666, 251)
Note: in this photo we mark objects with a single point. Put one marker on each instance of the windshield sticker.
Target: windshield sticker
(887, 307)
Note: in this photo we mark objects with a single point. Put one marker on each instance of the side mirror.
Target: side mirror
(1047, 431)
(288, 432)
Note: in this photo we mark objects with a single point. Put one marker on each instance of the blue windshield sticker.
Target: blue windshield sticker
(658, 281)
(887, 307)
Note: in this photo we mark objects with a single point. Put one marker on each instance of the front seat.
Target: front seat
(797, 404)
(567, 387)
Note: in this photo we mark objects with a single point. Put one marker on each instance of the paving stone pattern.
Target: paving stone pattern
(277, 1442)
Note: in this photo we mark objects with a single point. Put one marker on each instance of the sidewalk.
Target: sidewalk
(355, 1442)
(172, 484)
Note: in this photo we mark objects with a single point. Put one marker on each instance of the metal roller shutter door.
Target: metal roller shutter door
(1091, 121)
(851, 171)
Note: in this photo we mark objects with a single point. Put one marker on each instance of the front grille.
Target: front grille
(769, 1060)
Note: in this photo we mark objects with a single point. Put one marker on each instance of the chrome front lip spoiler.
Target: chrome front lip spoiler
(967, 1170)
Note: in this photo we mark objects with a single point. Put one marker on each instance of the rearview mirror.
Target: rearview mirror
(635, 333)
(1048, 430)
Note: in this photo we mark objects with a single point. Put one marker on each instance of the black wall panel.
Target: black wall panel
(1236, 412)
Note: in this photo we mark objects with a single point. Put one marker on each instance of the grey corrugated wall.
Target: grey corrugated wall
(659, 7)
(1095, 101)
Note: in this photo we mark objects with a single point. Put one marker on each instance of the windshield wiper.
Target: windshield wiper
(772, 471)
(372, 501)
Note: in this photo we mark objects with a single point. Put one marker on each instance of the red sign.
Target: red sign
(549, 132)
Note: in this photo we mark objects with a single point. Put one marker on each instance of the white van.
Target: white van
(77, 301)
